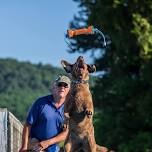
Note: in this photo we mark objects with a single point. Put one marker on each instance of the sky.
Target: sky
(34, 30)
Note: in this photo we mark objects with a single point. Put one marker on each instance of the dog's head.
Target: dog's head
(79, 70)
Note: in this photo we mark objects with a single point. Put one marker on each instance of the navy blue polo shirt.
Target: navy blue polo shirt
(46, 120)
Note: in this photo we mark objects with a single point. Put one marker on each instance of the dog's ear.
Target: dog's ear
(91, 68)
(67, 66)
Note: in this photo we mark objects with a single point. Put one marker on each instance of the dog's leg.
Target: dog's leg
(101, 149)
(89, 148)
(68, 144)
(73, 145)
(88, 108)
(90, 141)
(67, 147)
(66, 120)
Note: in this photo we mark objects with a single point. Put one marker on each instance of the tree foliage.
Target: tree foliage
(124, 92)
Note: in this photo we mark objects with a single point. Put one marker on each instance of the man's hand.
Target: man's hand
(44, 144)
(36, 146)
(22, 150)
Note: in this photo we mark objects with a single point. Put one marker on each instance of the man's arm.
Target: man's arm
(25, 137)
(60, 137)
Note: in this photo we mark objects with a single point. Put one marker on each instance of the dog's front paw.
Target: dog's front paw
(65, 126)
(89, 113)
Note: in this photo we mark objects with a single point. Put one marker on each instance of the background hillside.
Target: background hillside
(22, 82)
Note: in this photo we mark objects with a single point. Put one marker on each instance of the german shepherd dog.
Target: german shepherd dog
(79, 109)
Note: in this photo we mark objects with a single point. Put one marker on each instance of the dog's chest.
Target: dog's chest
(79, 97)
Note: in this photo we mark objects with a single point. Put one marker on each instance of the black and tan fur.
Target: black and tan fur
(79, 109)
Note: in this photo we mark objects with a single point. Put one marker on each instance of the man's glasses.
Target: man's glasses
(62, 85)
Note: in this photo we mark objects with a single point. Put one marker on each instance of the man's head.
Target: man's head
(62, 79)
(61, 86)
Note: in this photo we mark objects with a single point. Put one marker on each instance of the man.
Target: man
(44, 122)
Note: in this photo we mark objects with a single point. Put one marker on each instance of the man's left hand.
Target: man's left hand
(43, 144)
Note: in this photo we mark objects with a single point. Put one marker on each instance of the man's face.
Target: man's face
(61, 89)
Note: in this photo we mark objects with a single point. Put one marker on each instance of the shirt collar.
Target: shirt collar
(51, 101)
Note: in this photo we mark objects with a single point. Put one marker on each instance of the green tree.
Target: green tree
(124, 91)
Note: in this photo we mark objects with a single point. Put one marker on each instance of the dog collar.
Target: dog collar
(80, 81)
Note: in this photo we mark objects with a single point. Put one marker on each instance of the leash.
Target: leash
(83, 31)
